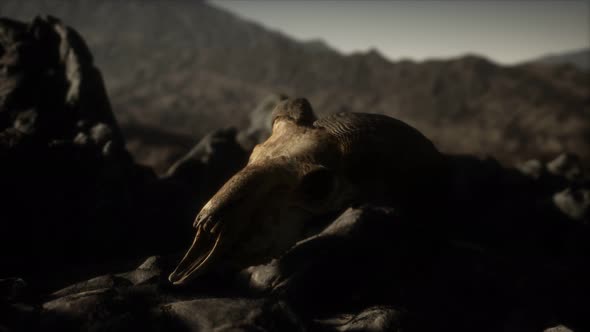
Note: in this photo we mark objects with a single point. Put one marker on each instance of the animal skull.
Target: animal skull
(306, 168)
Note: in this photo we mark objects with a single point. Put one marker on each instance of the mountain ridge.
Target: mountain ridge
(190, 67)
(579, 58)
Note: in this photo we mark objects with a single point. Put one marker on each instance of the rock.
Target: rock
(316, 273)
(263, 277)
(12, 288)
(373, 319)
(15, 313)
(150, 264)
(81, 139)
(18, 317)
(260, 126)
(533, 168)
(100, 310)
(101, 134)
(26, 122)
(70, 187)
(125, 302)
(574, 203)
(148, 271)
(92, 285)
(558, 328)
(108, 303)
(566, 165)
(209, 164)
(79, 301)
(52, 82)
(233, 315)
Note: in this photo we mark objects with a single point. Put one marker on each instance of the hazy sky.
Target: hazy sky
(505, 31)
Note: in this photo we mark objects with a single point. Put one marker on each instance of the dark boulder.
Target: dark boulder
(567, 165)
(224, 314)
(373, 319)
(574, 203)
(532, 168)
(206, 167)
(71, 193)
(49, 84)
(18, 312)
(381, 246)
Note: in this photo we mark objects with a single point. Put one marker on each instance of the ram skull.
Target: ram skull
(305, 169)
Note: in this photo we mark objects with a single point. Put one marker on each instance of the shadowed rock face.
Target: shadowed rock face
(60, 146)
(209, 164)
(49, 86)
(71, 192)
(309, 168)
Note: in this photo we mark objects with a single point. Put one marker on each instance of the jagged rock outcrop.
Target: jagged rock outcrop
(51, 90)
(205, 168)
(72, 193)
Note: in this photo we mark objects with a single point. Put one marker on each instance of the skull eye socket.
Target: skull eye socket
(316, 185)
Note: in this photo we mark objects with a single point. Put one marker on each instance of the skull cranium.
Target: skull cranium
(306, 168)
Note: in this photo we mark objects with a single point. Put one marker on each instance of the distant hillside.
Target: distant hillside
(187, 67)
(579, 58)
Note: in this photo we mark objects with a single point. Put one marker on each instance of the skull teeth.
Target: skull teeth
(197, 221)
(201, 220)
(207, 224)
(215, 228)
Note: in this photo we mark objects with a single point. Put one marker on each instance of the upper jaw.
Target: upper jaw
(207, 222)
(204, 250)
(224, 228)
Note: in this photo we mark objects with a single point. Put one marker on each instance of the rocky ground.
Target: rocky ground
(88, 236)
